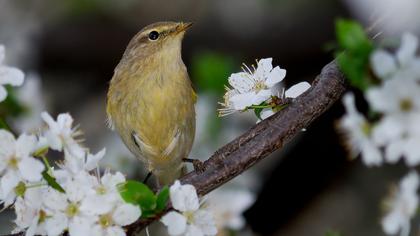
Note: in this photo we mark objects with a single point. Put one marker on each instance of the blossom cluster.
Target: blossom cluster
(395, 103)
(391, 130)
(258, 88)
(78, 201)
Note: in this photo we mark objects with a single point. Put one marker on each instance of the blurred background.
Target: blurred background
(69, 49)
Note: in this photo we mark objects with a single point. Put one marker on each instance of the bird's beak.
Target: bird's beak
(182, 27)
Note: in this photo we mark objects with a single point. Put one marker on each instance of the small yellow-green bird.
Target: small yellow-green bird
(151, 100)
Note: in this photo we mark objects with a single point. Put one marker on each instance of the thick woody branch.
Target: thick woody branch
(264, 138)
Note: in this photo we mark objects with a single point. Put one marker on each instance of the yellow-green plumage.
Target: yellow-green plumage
(151, 100)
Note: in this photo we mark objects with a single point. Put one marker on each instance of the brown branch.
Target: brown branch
(264, 138)
(261, 140)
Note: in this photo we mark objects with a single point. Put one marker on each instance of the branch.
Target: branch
(264, 138)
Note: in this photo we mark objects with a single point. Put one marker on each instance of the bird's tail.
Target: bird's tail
(167, 177)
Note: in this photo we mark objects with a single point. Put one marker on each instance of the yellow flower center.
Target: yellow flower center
(101, 190)
(105, 221)
(406, 105)
(259, 86)
(20, 189)
(366, 128)
(72, 210)
(13, 162)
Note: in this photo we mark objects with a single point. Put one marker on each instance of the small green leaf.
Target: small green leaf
(354, 53)
(139, 194)
(162, 199)
(355, 69)
(52, 182)
(351, 36)
(258, 109)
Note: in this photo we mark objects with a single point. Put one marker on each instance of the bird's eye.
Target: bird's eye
(153, 35)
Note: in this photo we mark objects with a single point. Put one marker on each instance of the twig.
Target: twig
(264, 138)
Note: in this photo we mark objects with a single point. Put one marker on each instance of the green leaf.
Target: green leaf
(210, 71)
(139, 194)
(351, 36)
(259, 108)
(52, 182)
(354, 53)
(355, 69)
(162, 199)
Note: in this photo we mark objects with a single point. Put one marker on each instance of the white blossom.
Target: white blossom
(8, 75)
(89, 206)
(228, 206)
(61, 135)
(402, 206)
(252, 87)
(191, 219)
(398, 130)
(17, 165)
(404, 64)
(358, 131)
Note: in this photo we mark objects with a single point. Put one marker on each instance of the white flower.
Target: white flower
(404, 64)
(89, 206)
(228, 206)
(395, 96)
(85, 162)
(17, 164)
(402, 206)
(8, 75)
(398, 130)
(29, 214)
(251, 87)
(192, 220)
(358, 131)
(61, 135)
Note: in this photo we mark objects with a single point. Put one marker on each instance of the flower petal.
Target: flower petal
(31, 169)
(184, 197)
(176, 223)
(275, 76)
(92, 160)
(407, 50)
(205, 221)
(3, 93)
(11, 75)
(383, 64)
(9, 181)
(126, 214)
(56, 224)
(297, 89)
(241, 81)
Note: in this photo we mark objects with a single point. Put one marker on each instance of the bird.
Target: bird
(151, 100)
